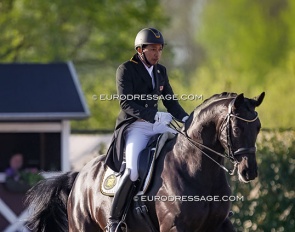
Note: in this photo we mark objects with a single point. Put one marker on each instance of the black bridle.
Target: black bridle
(242, 150)
(230, 154)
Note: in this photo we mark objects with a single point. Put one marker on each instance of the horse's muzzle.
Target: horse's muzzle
(246, 173)
(249, 175)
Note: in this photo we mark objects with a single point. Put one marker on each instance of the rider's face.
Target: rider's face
(153, 53)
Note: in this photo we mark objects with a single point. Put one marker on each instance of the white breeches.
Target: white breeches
(137, 137)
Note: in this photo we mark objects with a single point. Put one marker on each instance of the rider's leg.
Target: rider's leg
(137, 137)
(123, 194)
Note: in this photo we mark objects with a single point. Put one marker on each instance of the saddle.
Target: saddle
(146, 166)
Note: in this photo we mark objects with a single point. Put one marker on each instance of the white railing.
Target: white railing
(17, 223)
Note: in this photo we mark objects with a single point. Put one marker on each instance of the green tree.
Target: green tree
(249, 47)
(83, 31)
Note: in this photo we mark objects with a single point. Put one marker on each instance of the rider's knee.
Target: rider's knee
(133, 175)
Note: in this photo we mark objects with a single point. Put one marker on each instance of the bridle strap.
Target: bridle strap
(243, 119)
(198, 145)
(231, 155)
(242, 150)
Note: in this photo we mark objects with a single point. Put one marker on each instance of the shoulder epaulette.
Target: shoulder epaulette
(133, 61)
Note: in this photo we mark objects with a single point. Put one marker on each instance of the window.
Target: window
(40, 150)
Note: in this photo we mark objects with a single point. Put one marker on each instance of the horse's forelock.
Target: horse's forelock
(247, 108)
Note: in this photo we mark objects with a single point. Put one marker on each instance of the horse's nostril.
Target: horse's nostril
(250, 174)
(247, 176)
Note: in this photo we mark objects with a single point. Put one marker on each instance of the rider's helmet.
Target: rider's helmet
(148, 36)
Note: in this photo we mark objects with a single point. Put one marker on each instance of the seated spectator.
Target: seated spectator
(16, 164)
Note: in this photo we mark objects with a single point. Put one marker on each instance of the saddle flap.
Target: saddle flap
(146, 165)
(147, 159)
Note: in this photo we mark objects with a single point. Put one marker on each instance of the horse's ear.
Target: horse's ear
(238, 101)
(256, 101)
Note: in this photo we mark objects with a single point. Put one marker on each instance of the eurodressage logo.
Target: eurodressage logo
(110, 182)
(188, 198)
(144, 97)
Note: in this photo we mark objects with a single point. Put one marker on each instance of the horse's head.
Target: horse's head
(238, 135)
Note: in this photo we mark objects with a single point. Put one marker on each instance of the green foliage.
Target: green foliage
(249, 48)
(31, 177)
(84, 31)
(98, 86)
(269, 201)
(23, 181)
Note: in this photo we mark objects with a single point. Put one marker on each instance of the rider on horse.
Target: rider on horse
(140, 83)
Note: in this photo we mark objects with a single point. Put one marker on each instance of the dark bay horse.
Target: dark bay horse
(190, 168)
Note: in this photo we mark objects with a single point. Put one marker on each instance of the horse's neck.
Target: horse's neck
(192, 159)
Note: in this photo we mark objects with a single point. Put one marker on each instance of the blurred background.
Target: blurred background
(212, 46)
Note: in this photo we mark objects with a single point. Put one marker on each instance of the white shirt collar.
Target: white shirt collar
(149, 69)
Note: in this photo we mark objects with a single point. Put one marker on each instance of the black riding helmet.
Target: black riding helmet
(148, 36)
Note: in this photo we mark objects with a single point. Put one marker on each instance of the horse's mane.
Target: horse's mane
(215, 97)
(207, 102)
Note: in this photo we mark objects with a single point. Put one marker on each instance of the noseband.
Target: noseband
(230, 154)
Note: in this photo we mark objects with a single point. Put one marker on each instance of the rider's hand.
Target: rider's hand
(163, 117)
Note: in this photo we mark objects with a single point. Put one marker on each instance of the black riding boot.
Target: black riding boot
(121, 198)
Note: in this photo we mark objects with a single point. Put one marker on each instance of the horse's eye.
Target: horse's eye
(236, 131)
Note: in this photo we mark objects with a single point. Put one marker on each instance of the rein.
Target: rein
(231, 155)
(198, 145)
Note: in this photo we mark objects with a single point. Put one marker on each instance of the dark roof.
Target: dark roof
(40, 92)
